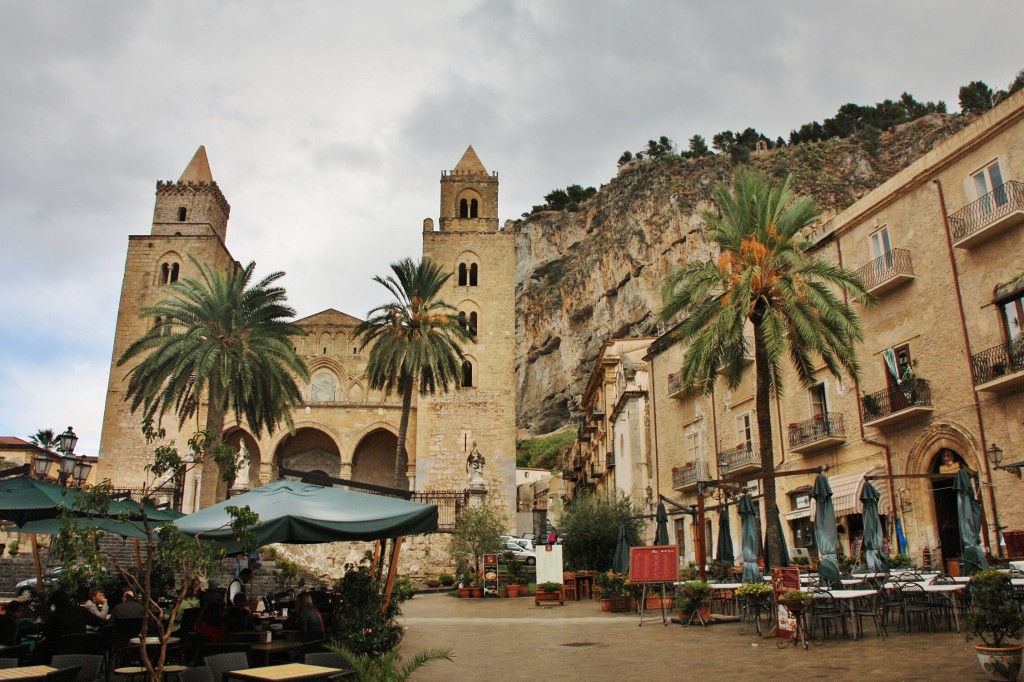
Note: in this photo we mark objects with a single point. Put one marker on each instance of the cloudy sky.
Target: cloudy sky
(327, 125)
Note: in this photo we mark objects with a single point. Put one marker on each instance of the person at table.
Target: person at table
(129, 608)
(211, 623)
(237, 585)
(193, 595)
(97, 604)
(238, 618)
(10, 623)
(307, 618)
(65, 618)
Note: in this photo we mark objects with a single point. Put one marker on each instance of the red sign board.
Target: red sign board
(784, 580)
(658, 564)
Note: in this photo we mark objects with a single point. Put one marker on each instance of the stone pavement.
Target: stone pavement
(511, 639)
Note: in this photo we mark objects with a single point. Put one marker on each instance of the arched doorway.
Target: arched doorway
(374, 459)
(310, 449)
(249, 475)
(944, 466)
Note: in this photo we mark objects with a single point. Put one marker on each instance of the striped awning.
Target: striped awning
(846, 490)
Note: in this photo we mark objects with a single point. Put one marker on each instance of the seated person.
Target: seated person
(238, 618)
(97, 603)
(65, 618)
(211, 623)
(9, 632)
(130, 608)
(193, 596)
(307, 617)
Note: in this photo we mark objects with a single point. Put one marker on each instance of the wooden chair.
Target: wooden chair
(569, 586)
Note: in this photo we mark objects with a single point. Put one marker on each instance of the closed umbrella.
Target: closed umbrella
(620, 561)
(748, 522)
(726, 554)
(783, 549)
(825, 532)
(661, 534)
(873, 555)
(968, 513)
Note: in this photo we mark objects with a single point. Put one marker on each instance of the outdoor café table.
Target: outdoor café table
(869, 576)
(279, 673)
(847, 582)
(153, 641)
(26, 673)
(275, 647)
(845, 598)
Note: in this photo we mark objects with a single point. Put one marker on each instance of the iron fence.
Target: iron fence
(828, 425)
(995, 362)
(896, 262)
(1001, 201)
(450, 504)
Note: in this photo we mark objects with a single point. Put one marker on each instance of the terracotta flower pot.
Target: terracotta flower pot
(465, 592)
(476, 592)
(513, 591)
(999, 664)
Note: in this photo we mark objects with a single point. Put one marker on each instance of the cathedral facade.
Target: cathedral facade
(344, 428)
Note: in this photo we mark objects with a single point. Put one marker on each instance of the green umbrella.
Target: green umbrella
(748, 522)
(968, 513)
(825, 532)
(24, 499)
(661, 534)
(783, 549)
(873, 555)
(725, 554)
(126, 529)
(303, 513)
(620, 561)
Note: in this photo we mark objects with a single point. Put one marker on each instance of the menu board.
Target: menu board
(784, 580)
(658, 564)
(490, 575)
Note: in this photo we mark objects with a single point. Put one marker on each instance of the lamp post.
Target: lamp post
(995, 455)
(72, 467)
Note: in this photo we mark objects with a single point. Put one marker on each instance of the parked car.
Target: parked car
(29, 588)
(524, 555)
(524, 543)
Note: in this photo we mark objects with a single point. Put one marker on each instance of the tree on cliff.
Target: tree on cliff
(415, 341)
(222, 339)
(763, 278)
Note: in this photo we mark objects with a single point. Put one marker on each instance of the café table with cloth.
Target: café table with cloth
(281, 673)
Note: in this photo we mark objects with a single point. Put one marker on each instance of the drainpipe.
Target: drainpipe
(654, 427)
(970, 369)
(714, 430)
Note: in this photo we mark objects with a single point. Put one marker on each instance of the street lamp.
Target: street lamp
(72, 466)
(995, 455)
(41, 464)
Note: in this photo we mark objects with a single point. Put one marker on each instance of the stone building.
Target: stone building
(344, 429)
(941, 246)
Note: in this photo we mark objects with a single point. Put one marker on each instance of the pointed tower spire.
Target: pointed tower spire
(198, 169)
(470, 163)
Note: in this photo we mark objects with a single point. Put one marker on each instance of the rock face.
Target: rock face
(587, 276)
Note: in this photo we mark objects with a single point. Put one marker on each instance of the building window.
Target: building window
(472, 324)
(473, 275)
(989, 180)
(693, 449)
(463, 209)
(473, 207)
(818, 404)
(1012, 312)
(801, 500)
(165, 272)
(681, 536)
(463, 278)
(174, 272)
(744, 429)
(467, 374)
(323, 389)
(182, 212)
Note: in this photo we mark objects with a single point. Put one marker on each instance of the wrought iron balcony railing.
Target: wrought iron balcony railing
(1006, 358)
(690, 474)
(889, 401)
(821, 427)
(896, 263)
(997, 204)
(676, 387)
(737, 458)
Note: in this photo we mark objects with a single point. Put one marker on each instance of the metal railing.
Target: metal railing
(675, 382)
(884, 268)
(911, 393)
(995, 362)
(690, 473)
(450, 504)
(739, 456)
(1005, 199)
(828, 425)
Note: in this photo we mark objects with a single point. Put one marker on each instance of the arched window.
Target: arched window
(462, 275)
(472, 324)
(165, 270)
(467, 374)
(473, 208)
(472, 274)
(462, 319)
(463, 208)
(174, 272)
(323, 389)
(182, 212)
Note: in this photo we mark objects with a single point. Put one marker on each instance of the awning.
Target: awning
(798, 514)
(846, 493)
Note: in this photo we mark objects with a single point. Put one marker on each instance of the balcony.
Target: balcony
(748, 353)
(887, 272)
(897, 404)
(596, 414)
(676, 386)
(998, 210)
(689, 475)
(821, 433)
(740, 459)
(999, 369)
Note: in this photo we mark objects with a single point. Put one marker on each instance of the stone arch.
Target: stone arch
(324, 387)
(322, 364)
(469, 203)
(939, 436)
(373, 460)
(311, 448)
(356, 394)
(468, 270)
(470, 376)
(249, 475)
(168, 268)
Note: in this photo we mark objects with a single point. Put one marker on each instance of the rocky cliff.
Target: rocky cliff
(586, 276)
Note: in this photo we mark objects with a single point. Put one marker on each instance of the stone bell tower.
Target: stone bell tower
(481, 257)
(190, 219)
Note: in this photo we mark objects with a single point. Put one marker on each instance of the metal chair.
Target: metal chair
(869, 607)
(90, 665)
(917, 607)
(222, 663)
(826, 614)
(200, 674)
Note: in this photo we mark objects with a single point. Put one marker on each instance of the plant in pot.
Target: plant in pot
(433, 582)
(466, 583)
(516, 574)
(996, 619)
(549, 592)
(615, 592)
(694, 595)
(754, 591)
(796, 601)
(446, 579)
(476, 589)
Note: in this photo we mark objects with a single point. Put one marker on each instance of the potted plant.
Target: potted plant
(695, 595)
(753, 591)
(516, 574)
(446, 579)
(871, 406)
(796, 600)
(476, 589)
(433, 582)
(614, 590)
(996, 619)
(549, 592)
(465, 584)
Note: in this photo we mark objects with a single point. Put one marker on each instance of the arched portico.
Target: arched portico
(310, 449)
(374, 459)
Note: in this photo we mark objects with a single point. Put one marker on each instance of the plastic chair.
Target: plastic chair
(89, 664)
(569, 586)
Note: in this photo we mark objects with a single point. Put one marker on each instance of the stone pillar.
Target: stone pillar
(477, 495)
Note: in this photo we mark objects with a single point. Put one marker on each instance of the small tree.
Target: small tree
(363, 623)
(590, 530)
(477, 530)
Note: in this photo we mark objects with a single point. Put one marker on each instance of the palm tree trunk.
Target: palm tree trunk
(401, 455)
(773, 544)
(213, 488)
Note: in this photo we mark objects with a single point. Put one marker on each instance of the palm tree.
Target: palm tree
(45, 438)
(222, 339)
(763, 277)
(415, 341)
(386, 667)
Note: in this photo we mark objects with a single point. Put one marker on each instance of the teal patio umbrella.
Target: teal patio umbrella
(873, 555)
(24, 499)
(748, 523)
(661, 533)
(968, 513)
(783, 549)
(620, 560)
(725, 553)
(825, 532)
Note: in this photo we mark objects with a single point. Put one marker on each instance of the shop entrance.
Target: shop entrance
(944, 466)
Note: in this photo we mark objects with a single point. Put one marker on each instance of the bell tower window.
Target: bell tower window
(473, 208)
(462, 275)
(182, 213)
(165, 273)
(473, 270)
(472, 324)
(467, 374)
(463, 209)
(174, 272)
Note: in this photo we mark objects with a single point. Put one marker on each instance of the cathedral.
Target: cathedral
(344, 429)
